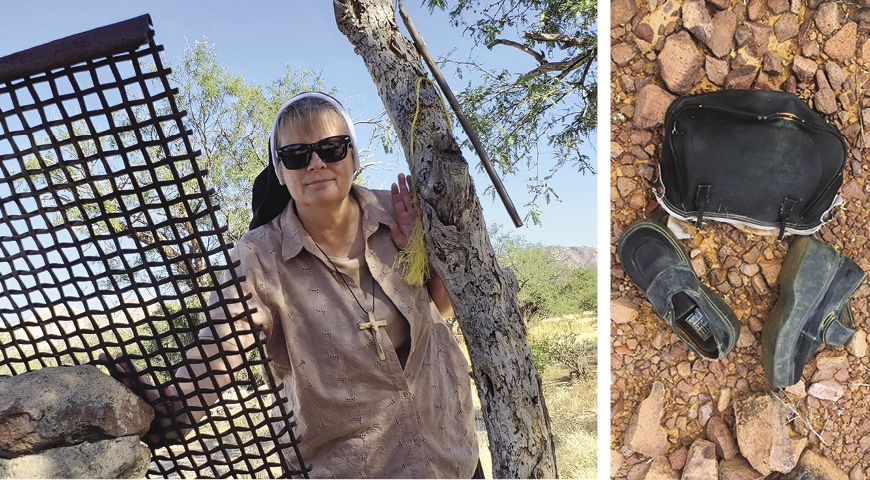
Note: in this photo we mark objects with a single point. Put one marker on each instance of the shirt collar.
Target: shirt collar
(375, 213)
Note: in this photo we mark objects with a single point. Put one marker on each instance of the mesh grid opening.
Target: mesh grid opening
(109, 244)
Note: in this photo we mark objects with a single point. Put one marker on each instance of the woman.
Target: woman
(377, 382)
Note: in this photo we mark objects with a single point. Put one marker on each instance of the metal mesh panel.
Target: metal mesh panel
(109, 244)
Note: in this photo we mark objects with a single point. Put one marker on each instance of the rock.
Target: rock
(857, 344)
(804, 68)
(827, 18)
(621, 11)
(623, 310)
(757, 10)
(737, 468)
(719, 433)
(615, 462)
(843, 44)
(645, 434)
(799, 389)
(124, 457)
(86, 403)
(680, 63)
(836, 75)
(778, 7)
(825, 101)
(721, 39)
(761, 424)
(759, 38)
(813, 466)
(786, 27)
(716, 70)
(741, 77)
(772, 64)
(660, 469)
(827, 390)
(621, 54)
(697, 20)
(677, 458)
(652, 103)
(701, 461)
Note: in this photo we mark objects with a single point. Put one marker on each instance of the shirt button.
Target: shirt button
(415, 440)
(406, 394)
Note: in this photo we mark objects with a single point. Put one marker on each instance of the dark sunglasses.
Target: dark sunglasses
(330, 150)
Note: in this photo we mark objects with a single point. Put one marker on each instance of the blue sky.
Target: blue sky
(259, 38)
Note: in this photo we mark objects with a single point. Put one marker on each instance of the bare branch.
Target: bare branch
(510, 43)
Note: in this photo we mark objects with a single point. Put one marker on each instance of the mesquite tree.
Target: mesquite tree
(483, 295)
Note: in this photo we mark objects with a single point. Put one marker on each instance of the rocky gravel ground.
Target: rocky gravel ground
(660, 390)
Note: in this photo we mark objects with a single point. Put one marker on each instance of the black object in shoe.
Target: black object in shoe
(657, 263)
(815, 284)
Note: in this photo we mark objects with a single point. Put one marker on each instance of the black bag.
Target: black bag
(753, 158)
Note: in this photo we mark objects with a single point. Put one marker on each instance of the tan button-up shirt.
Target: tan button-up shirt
(359, 416)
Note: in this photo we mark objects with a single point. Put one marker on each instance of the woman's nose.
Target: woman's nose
(316, 163)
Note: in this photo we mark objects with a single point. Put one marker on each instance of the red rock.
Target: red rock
(621, 54)
(721, 40)
(696, 19)
(701, 461)
(786, 27)
(741, 78)
(843, 44)
(721, 436)
(645, 433)
(804, 68)
(772, 64)
(680, 63)
(652, 102)
(827, 18)
(825, 101)
(716, 70)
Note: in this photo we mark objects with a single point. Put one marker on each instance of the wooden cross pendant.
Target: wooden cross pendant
(376, 333)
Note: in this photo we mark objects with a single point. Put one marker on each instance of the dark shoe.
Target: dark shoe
(815, 284)
(657, 263)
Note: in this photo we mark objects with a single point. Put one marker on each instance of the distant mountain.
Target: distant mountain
(586, 257)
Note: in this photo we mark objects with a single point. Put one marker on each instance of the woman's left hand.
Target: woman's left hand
(406, 214)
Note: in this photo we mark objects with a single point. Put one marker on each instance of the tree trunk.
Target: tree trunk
(483, 295)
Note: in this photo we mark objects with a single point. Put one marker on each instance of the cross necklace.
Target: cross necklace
(373, 324)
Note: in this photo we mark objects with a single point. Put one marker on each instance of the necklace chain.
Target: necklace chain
(341, 276)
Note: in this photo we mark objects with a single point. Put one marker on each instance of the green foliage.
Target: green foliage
(534, 120)
(566, 350)
(546, 288)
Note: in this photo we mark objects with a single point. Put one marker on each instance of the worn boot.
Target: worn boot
(657, 263)
(815, 284)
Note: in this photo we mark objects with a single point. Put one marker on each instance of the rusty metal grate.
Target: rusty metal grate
(109, 242)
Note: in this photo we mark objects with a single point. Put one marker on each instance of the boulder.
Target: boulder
(763, 436)
(83, 404)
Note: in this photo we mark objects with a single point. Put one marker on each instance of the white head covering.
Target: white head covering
(273, 138)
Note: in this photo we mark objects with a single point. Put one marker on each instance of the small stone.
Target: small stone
(652, 102)
(623, 310)
(721, 40)
(701, 461)
(645, 434)
(825, 102)
(827, 18)
(842, 45)
(680, 63)
(827, 390)
(804, 68)
(719, 433)
(857, 344)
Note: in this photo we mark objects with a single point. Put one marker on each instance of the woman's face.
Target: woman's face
(320, 184)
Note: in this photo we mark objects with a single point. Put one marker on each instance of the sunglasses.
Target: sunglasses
(330, 150)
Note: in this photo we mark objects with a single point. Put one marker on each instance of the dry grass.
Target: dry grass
(571, 402)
